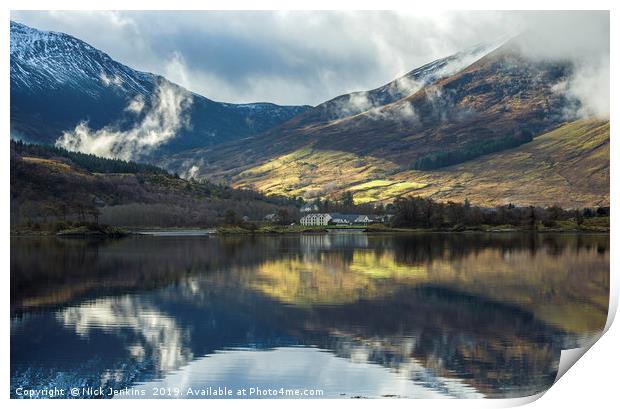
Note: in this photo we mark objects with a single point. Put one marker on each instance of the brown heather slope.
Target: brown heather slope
(502, 95)
(50, 185)
(568, 166)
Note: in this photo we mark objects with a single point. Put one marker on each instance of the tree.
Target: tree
(579, 219)
(282, 216)
(555, 212)
(325, 206)
(587, 212)
(94, 213)
(602, 211)
(231, 218)
(530, 217)
(347, 199)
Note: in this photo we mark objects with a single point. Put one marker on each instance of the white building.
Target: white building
(315, 219)
(271, 217)
(309, 207)
(339, 218)
(323, 219)
(363, 219)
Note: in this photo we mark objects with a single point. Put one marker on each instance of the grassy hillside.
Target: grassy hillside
(312, 172)
(568, 166)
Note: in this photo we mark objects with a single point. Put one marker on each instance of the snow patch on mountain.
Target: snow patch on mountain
(42, 59)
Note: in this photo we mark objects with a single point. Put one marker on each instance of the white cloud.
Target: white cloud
(160, 123)
(587, 91)
(191, 173)
(136, 105)
(590, 86)
(581, 38)
(355, 103)
(176, 70)
(108, 81)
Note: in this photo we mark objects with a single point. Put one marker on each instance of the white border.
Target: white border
(592, 382)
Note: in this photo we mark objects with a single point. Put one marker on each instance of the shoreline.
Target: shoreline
(120, 232)
(226, 231)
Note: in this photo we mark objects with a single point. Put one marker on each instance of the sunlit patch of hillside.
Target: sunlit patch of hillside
(53, 165)
(386, 190)
(312, 172)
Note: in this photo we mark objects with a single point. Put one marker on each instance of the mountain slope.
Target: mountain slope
(51, 185)
(568, 166)
(58, 81)
(500, 101)
(357, 102)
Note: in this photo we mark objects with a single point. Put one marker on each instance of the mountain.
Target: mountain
(59, 81)
(502, 101)
(317, 123)
(459, 127)
(568, 166)
(357, 102)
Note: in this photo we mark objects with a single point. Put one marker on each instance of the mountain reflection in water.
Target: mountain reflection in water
(419, 315)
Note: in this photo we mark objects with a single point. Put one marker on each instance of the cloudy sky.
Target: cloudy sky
(309, 57)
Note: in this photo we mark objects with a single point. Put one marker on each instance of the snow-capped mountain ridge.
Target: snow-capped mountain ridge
(64, 59)
(365, 102)
(59, 81)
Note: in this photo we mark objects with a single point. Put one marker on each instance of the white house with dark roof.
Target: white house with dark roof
(315, 219)
(364, 219)
(309, 207)
(340, 218)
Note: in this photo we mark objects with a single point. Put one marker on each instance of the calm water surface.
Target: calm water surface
(420, 315)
